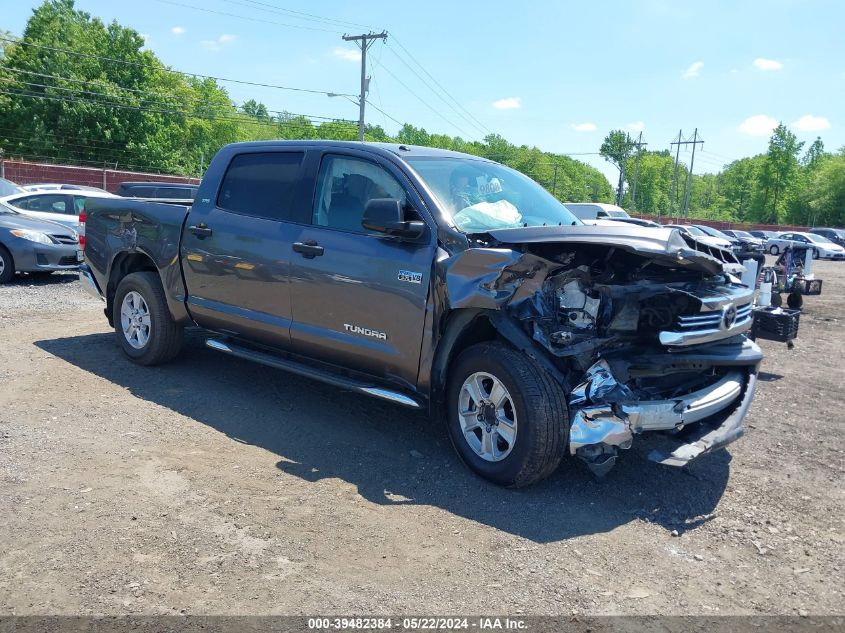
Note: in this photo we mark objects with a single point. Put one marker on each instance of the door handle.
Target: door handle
(200, 230)
(309, 249)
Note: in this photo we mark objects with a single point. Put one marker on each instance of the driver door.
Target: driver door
(359, 298)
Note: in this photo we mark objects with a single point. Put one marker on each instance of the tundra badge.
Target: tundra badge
(357, 329)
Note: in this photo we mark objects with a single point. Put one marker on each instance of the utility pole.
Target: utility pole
(554, 184)
(639, 146)
(688, 185)
(675, 178)
(364, 42)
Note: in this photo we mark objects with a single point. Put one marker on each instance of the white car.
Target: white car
(56, 206)
(700, 236)
(822, 247)
(50, 186)
(596, 210)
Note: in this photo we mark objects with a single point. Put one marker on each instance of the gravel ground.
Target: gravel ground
(215, 486)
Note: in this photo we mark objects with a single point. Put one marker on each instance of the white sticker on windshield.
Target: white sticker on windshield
(494, 186)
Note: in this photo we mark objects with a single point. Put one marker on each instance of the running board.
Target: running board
(311, 372)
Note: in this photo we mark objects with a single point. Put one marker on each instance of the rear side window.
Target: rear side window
(261, 185)
(139, 192)
(173, 192)
(51, 203)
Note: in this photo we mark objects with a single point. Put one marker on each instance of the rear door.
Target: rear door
(359, 298)
(236, 246)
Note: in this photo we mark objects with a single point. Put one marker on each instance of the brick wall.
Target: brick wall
(23, 172)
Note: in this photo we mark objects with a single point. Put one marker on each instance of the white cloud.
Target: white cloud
(508, 103)
(347, 54)
(761, 63)
(636, 126)
(758, 125)
(693, 70)
(810, 123)
(216, 45)
(178, 30)
(584, 127)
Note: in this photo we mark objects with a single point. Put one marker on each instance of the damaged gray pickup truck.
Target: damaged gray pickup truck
(442, 281)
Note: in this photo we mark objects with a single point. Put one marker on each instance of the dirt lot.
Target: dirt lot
(214, 486)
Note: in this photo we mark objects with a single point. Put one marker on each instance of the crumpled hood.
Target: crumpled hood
(659, 242)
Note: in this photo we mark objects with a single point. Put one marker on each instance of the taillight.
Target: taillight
(82, 218)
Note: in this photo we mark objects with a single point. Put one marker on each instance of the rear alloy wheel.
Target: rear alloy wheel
(816, 254)
(7, 266)
(507, 417)
(142, 321)
(774, 250)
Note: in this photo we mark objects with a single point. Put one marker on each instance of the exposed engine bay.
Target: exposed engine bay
(643, 341)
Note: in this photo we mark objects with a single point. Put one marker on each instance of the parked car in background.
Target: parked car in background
(638, 222)
(35, 246)
(763, 235)
(701, 236)
(8, 188)
(748, 241)
(837, 236)
(596, 210)
(736, 245)
(49, 186)
(822, 247)
(169, 190)
(55, 206)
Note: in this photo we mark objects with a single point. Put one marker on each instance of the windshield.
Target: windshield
(5, 208)
(692, 230)
(482, 196)
(709, 230)
(612, 213)
(818, 239)
(7, 187)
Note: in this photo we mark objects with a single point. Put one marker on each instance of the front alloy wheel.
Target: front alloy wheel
(487, 416)
(135, 319)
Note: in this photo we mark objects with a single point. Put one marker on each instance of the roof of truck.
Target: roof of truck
(398, 149)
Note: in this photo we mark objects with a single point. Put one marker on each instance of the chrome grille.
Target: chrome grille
(711, 320)
(64, 239)
(726, 257)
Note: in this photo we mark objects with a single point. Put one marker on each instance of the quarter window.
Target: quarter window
(261, 184)
(344, 187)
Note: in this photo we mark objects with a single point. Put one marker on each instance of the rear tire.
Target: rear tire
(7, 266)
(534, 415)
(142, 322)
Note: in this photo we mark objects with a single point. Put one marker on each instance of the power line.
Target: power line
(437, 83)
(421, 100)
(170, 70)
(299, 15)
(438, 95)
(245, 17)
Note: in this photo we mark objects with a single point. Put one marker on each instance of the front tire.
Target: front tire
(507, 417)
(142, 322)
(7, 266)
(773, 249)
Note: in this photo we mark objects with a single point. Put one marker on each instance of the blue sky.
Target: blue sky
(554, 74)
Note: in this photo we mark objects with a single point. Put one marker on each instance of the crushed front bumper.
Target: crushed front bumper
(606, 415)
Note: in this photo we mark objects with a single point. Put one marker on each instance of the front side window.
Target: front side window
(483, 196)
(344, 187)
(261, 184)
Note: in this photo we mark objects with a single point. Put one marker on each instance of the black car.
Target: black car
(837, 236)
(165, 190)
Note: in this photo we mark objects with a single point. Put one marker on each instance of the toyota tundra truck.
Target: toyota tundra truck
(440, 281)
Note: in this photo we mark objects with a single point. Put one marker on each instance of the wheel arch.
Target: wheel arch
(124, 264)
(468, 326)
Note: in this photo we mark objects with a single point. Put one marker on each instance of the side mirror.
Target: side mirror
(386, 215)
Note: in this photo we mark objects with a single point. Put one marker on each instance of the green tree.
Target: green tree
(776, 177)
(617, 149)
(827, 192)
